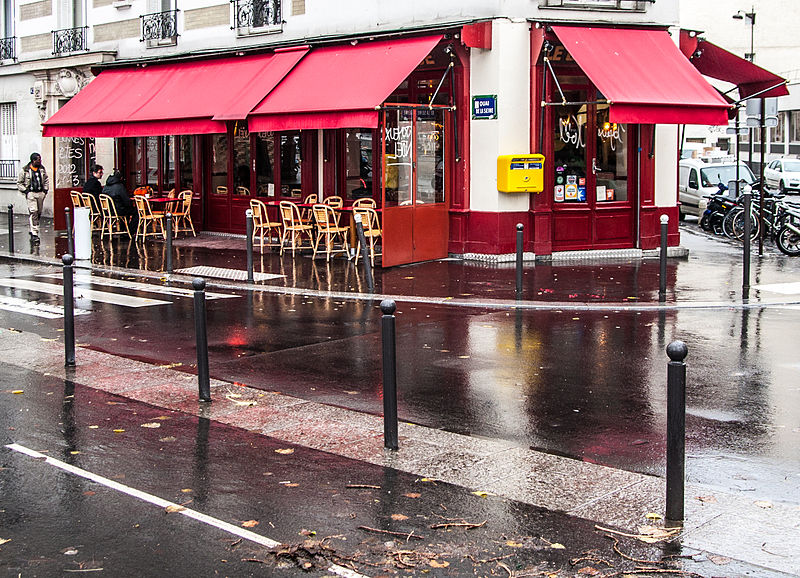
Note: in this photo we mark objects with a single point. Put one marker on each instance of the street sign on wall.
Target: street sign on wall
(484, 106)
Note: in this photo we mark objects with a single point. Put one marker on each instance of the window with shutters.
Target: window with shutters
(9, 157)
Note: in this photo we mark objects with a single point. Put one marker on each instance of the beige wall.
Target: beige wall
(219, 15)
(298, 7)
(36, 43)
(35, 10)
(116, 30)
(100, 3)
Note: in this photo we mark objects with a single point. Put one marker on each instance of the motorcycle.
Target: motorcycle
(718, 206)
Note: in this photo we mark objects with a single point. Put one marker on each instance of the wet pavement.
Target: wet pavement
(577, 370)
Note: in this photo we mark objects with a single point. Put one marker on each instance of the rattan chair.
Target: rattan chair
(293, 226)
(328, 229)
(112, 222)
(147, 219)
(372, 230)
(182, 216)
(77, 199)
(365, 202)
(95, 216)
(262, 226)
(243, 191)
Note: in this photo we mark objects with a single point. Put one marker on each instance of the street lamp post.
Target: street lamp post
(751, 56)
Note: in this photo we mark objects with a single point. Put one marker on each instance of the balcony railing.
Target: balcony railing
(8, 49)
(8, 169)
(623, 5)
(251, 16)
(69, 40)
(160, 26)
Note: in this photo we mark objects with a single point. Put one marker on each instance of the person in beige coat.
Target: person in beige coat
(34, 183)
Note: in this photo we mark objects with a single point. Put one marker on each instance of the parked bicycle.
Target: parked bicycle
(788, 237)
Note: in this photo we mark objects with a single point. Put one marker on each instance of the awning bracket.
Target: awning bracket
(441, 82)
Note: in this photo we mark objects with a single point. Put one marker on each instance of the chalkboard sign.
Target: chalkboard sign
(71, 161)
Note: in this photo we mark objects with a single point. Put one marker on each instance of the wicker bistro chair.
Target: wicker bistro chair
(293, 227)
(328, 229)
(95, 216)
(306, 214)
(365, 202)
(372, 230)
(77, 199)
(262, 226)
(112, 222)
(182, 216)
(147, 219)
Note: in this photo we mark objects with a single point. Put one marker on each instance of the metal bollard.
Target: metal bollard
(676, 430)
(10, 228)
(203, 382)
(362, 240)
(69, 312)
(249, 214)
(70, 241)
(748, 200)
(520, 229)
(662, 277)
(388, 338)
(168, 219)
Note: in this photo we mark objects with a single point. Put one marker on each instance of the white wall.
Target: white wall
(505, 71)
(666, 165)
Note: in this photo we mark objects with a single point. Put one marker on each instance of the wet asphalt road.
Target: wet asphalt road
(587, 384)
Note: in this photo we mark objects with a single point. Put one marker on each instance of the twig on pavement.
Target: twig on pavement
(405, 535)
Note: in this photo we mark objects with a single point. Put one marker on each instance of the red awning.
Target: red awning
(716, 62)
(644, 76)
(340, 86)
(178, 98)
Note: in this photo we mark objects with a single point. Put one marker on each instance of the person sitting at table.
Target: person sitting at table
(115, 189)
(92, 185)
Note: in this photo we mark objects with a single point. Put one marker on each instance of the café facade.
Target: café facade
(415, 120)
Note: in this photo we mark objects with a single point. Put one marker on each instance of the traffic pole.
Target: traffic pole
(69, 312)
(662, 277)
(201, 338)
(520, 229)
(748, 203)
(168, 248)
(362, 240)
(676, 431)
(10, 228)
(388, 335)
(249, 215)
(70, 240)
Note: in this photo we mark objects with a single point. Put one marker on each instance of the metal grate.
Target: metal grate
(160, 26)
(623, 5)
(222, 273)
(69, 40)
(256, 15)
(8, 48)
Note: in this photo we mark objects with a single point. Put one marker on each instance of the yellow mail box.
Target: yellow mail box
(520, 173)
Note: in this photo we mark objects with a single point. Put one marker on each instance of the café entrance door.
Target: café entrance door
(415, 203)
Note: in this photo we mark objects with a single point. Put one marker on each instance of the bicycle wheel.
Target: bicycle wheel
(788, 241)
(716, 223)
(735, 225)
(727, 222)
(704, 224)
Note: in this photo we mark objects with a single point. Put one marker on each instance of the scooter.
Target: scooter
(718, 206)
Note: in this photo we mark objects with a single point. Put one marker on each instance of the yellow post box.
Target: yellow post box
(520, 173)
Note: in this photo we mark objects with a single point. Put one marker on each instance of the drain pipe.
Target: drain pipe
(639, 188)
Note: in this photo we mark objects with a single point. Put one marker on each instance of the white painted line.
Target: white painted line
(82, 293)
(782, 288)
(107, 282)
(45, 310)
(161, 503)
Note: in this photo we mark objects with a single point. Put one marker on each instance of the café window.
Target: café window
(291, 163)
(74, 156)
(186, 162)
(569, 151)
(219, 164)
(265, 156)
(611, 160)
(358, 163)
(241, 160)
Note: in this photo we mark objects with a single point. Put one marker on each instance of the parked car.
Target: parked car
(784, 175)
(697, 178)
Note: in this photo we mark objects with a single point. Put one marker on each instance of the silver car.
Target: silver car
(783, 175)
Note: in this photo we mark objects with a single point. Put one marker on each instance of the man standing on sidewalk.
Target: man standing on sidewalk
(34, 183)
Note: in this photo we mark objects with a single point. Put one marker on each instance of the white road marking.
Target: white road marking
(107, 282)
(783, 288)
(83, 293)
(46, 310)
(161, 503)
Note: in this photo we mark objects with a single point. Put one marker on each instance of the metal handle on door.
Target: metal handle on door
(594, 165)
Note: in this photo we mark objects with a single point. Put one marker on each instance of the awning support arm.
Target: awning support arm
(760, 92)
(441, 82)
(555, 78)
(565, 103)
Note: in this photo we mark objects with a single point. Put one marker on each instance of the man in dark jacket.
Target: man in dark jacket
(92, 185)
(122, 202)
(34, 183)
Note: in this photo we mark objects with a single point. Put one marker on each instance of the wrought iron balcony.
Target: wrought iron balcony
(257, 15)
(624, 5)
(8, 50)
(160, 26)
(8, 169)
(69, 40)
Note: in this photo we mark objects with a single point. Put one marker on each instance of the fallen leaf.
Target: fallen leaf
(305, 532)
(763, 504)
(399, 517)
(162, 417)
(284, 451)
(589, 571)
(719, 560)
(437, 564)
(187, 490)
(250, 524)
(94, 426)
(4, 541)
(481, 494)
(119, 430)
(151, 425)
(557, 546)
(514, 544)
(74, 453)
(412, 495)
(291, 485)
(707, 499)
(463, 356)
(89, 493)
(653, 516)
(168, 439)
(48, 339)
(173, 508)
(69, 552)
(427, 480)
(18, 391)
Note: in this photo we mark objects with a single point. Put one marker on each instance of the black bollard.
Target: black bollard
(520, 229)
(168, 220)
(362, 240)
(249, 214)
(676, 430)
(199, 285)
(662, 277)
(70, 240)
(69, 313)
(748, 200)
(10, 228)
(390, 436)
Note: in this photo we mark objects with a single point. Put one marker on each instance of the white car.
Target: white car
(783, 175)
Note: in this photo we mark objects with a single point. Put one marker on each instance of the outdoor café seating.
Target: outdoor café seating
(148, 221)
(95, 216)
(262, 226)
(365, 202)
(372, 230)
(294, 229)
(112, 223)
(77, 199)
(182, 215)
(328, 229)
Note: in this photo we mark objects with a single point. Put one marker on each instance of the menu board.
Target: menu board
(71, 156)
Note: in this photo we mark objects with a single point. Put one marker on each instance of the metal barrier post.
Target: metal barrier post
(249, 214)
(748, 204)
(168, 218)
(390, 437)
(676, 430)
(362, 240)
(203, 382)
(10, 228)
(520, 229)
(69, 312)
(662, 277)
(70, 241)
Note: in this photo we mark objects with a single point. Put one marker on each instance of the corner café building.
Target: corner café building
(392, 118)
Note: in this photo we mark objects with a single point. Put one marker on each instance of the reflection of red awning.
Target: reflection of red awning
(716, 62)
(341, 86)
(178, 98)
(644, 76)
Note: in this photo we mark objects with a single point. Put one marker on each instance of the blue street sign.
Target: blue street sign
(484, 106)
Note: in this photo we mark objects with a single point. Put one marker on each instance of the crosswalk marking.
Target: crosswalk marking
(783, 288)
(122, 283)
(83, 293)
(45, 310)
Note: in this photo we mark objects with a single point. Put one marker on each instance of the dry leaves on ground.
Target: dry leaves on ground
(250, 524)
